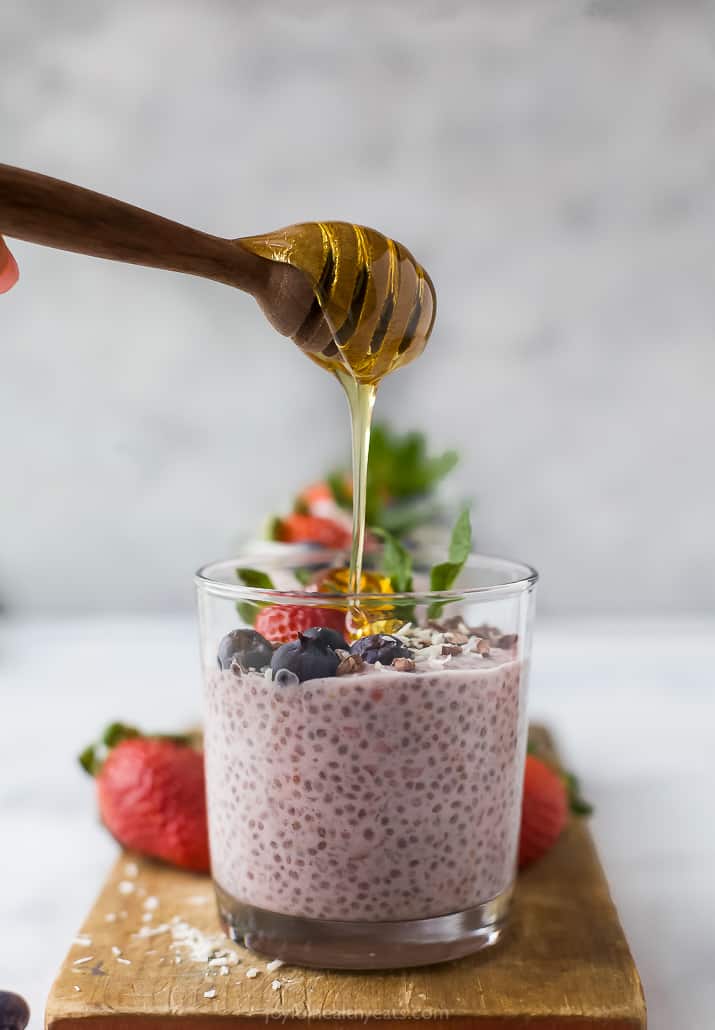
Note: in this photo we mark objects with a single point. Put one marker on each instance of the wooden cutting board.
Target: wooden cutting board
(143, 960)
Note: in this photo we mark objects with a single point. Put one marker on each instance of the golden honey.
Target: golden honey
(379, 304)
(377, 299)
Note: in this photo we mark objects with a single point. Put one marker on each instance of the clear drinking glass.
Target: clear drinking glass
(367, 819)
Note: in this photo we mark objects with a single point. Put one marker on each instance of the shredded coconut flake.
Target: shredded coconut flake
(428, 652)
(116, 950)
(111, 917)
(83, 940)
(223, 970)
(81, 961)
(152, 931)
(76, 988)
(210, 994)
(151, 903)
(131, 869)
(125, 887)
(276, 985)
(125, 961)
(201, 947)
(274, 964)
(252, 973)
(147, 917)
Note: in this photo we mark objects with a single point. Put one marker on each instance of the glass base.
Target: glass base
(333, 944)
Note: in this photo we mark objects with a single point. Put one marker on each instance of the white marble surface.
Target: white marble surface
(634, 709)
(550, 161)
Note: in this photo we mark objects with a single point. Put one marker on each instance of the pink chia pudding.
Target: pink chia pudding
(378, 795)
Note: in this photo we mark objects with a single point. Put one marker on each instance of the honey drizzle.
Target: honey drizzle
(379, 305)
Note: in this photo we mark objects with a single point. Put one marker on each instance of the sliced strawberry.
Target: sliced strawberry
(299, 528)
(315, 494)
(544, 810)
(281, 623)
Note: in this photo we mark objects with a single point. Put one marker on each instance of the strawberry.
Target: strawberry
(9, 273)
(544, 810)
(315, 529)
(314, 497)
(151, 795)
(281, 623)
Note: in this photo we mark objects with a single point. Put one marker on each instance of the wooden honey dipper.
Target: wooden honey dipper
(352, 299)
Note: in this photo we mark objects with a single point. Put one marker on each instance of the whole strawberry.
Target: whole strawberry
(151, 795)
(281, 623)
(544, 810)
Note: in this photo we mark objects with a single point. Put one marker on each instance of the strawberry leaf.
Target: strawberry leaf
(273, 528)
(93, 755)
(577, 803)
(88, 759)
(116, 732)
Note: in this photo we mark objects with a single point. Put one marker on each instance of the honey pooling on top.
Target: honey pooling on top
(377, 300)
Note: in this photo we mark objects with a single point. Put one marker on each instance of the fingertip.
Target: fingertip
(9, 272)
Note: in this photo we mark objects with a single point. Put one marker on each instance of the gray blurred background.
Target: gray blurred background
(551, 163)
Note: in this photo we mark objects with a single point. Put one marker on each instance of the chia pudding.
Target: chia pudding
(386, 793)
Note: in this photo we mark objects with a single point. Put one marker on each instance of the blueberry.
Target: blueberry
(286, 678)
(309, 657)
(324, 637)
(245, 646)
(380, 647)
(14, 1013)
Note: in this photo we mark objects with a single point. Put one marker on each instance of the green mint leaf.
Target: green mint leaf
(254, 578)
(248, 610)
(400, 473)
(304, 576)
(396, 562)
(444, 575)
(461, 542)
(341, 494)
(405, 516)
(399, 465)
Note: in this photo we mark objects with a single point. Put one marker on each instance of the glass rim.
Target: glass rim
(525, 579)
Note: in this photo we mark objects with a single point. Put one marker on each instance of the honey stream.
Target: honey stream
(379, 305)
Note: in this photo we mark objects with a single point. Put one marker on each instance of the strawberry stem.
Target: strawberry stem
(93, 756)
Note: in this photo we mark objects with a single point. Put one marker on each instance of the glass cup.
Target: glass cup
(364, 809)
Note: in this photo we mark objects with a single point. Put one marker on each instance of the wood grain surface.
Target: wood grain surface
(564, 964)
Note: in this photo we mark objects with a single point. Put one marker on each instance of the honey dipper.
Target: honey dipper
(349, 297)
